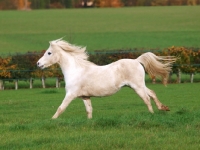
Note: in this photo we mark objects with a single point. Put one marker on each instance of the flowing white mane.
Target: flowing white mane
(77, 51)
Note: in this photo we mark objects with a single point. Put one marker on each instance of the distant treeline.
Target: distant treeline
(47, 4)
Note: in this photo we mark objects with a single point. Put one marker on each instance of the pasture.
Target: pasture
(121, 121)
(106, 28)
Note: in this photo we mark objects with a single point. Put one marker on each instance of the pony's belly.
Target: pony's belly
(99, 91)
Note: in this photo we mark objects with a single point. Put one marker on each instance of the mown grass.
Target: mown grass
(120, 121)
(134, 27)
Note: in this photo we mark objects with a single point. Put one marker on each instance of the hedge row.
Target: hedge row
(23, 66)
(188, 58)
(46, 4)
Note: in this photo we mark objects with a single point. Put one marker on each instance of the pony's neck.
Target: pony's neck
(67, 61)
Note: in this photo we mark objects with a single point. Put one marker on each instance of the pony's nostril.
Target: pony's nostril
(38, 63)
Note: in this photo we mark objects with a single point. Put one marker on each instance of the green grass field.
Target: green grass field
(121, 121)
(107, 28)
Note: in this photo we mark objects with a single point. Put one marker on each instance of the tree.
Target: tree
(5, 70)
(108, 3)
(23, 4)
(8, 4)
(185, 62)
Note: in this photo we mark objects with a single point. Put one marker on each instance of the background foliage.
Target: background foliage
(43, 4)
(23, 66)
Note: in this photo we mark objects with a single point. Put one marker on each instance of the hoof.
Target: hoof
(165, 108)
(54, 117)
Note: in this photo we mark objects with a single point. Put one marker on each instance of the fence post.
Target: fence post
(179, 76)
(16, 84)
(43, 82)
(191, 77)
(153, 78)
(57, 82)
(31, 83)
(1, 85)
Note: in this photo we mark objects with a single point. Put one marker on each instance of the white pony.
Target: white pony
(85, 79)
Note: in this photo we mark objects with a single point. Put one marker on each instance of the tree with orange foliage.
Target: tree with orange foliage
(23, 4)
(109, 3)
(5, 68)
(185, 62)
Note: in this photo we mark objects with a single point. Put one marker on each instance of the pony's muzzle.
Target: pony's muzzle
(39, 65)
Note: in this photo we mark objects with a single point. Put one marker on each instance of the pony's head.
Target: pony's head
(54, 52)
(50, 57)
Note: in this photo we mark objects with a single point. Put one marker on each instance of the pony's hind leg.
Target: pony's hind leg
(145, 97)
(159, 105)
(88, 106)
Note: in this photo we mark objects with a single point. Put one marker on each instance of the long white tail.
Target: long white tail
(157, 65)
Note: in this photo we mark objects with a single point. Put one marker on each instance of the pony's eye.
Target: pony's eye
(49, 53)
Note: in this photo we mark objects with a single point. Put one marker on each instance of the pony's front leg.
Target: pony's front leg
(67, 100)
(88, 106)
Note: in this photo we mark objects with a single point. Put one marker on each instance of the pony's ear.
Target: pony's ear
(59, 39)
(55, 41)
(51, 43)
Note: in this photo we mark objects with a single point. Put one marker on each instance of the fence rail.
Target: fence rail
(54, 82)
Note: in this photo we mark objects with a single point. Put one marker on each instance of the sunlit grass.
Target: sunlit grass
(121, 121)
(107, 28)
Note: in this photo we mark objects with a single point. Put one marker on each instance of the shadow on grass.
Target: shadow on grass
(49, 91)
